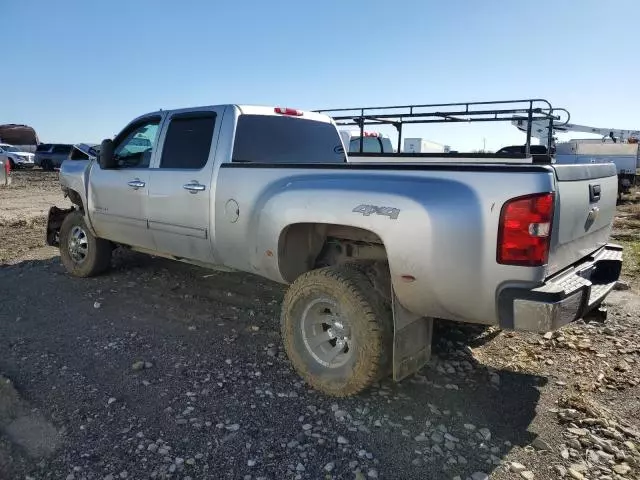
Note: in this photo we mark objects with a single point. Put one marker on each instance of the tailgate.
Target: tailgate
(586, 196)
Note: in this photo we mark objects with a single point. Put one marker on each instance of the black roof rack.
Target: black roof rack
(534, 109)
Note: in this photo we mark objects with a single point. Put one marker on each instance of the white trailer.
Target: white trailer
(420, 145)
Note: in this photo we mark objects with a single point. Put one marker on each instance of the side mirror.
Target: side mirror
(106, 158)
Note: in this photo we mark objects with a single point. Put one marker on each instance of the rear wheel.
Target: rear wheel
(82, 254)
(337, 331)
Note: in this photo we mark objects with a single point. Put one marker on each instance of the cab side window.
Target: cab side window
(188, 141)
(135, 148)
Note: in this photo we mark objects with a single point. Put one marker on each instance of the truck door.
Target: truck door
(118, 197)
(181, 182)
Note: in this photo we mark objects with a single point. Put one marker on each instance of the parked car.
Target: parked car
(16, 157)
(50, 156)
(5, 172)
(372, 252)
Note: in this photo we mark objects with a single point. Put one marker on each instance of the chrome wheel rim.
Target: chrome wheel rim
(78, 244)
(327, 333)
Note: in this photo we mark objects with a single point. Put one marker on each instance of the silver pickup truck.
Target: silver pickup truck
(372, 252)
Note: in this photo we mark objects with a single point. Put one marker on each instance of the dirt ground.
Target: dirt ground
(162, 370)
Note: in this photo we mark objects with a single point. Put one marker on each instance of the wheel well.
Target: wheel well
(75, 198)
(305, 246)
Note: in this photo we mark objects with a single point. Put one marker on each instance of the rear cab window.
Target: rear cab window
(274, 139)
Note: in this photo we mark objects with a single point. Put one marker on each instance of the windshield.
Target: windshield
(9, 148)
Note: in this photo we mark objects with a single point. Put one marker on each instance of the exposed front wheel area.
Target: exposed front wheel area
(337, 332)
(82, 254)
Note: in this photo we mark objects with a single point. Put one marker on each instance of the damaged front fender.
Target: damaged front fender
(54, 222)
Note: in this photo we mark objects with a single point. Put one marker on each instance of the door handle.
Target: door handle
(194, 187)
(136, 184)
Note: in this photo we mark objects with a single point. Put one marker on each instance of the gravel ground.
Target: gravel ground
(163, 370)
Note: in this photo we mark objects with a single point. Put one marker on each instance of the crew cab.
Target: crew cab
(372, 253)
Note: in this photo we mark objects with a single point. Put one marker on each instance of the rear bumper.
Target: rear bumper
(565, 297)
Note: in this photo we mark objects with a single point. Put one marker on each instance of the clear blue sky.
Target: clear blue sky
(79, 70)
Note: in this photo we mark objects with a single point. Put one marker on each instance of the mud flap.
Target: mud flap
(412, 336)
(54, 222)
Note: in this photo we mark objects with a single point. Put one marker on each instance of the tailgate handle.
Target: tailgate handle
(594, 193)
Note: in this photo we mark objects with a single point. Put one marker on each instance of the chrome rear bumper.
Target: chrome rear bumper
(565, 297)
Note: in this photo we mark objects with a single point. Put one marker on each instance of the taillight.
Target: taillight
(525, 230)
(288, 111)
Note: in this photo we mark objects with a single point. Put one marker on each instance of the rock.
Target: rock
(469, 426)
(565, 454)
(486, 434)
(561, 470)
(251, 463)
(233, 427)
(581, 432)
(437, 437)
(527, 474)
(629, 432)
(307, 426)
(579, 467)
(111, 400)
(139, 365)
(517, 467)
(622, 469)
(548, 336)
(451, 438)
(97, 304)
(342, 440)
(622, 285)
(329, 467)
(190, 461)
(179, 461)
(479, 476)
(148, 365)
(372, 473)
(377, 423)
(540, 444)
(623, 366)
(300, 467)
(163, 451)
(575, 474)
(420, 438)
(573, 443)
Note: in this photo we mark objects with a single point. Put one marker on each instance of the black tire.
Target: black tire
(47, 165)
(98, 251)
(370, 330)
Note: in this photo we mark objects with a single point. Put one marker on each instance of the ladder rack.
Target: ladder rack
(535, 109)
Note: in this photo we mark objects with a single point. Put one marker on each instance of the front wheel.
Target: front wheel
(337, 331)
(82, 254)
